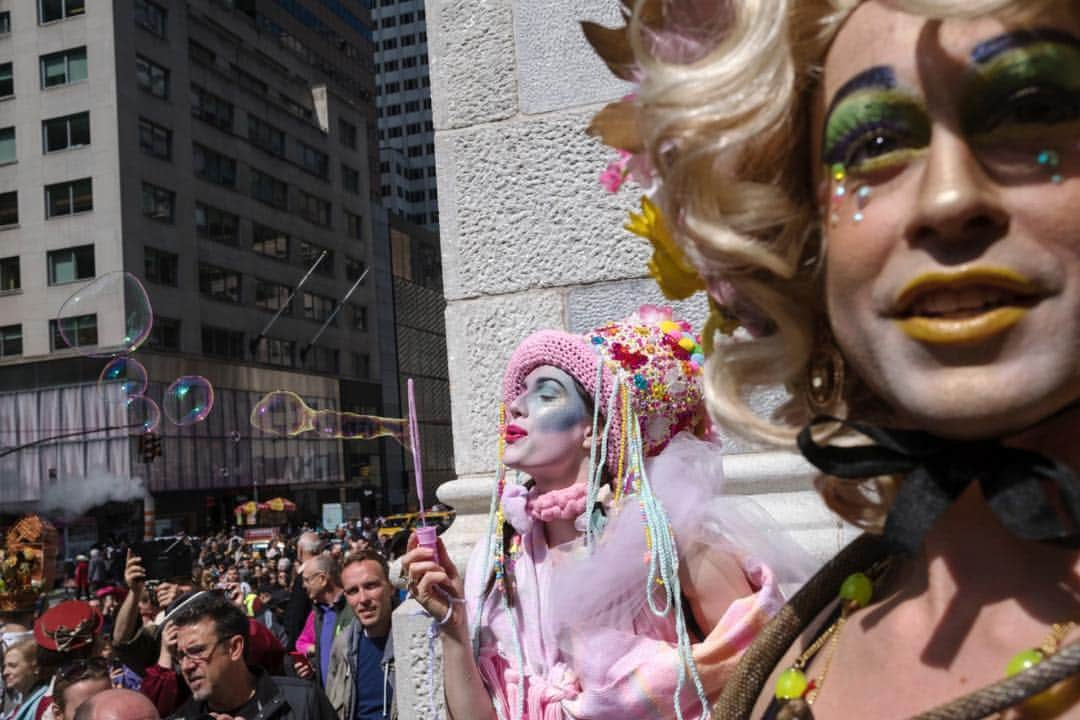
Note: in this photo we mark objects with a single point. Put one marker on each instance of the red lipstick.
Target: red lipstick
(513, 433)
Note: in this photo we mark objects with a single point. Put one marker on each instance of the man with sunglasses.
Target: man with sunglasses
(211, 650)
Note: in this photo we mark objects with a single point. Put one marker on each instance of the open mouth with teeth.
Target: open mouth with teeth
(965, 302)
(964, 307)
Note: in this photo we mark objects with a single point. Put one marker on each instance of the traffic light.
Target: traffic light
(149, 447)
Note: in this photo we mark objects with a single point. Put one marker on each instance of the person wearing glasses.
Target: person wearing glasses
(322, 580)
(212, 654)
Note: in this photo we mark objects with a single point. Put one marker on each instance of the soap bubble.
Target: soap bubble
(110, 316)
(143, 413)
(188, 400)
(281, 413)
(285, 413)
(121, 379)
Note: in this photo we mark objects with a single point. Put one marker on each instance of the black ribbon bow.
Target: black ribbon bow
(1019, 485)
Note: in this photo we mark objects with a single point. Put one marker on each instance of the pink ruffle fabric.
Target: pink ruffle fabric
(591, 645)
(522, 506)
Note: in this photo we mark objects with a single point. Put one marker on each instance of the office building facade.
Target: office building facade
(217, 150)
(406, 135)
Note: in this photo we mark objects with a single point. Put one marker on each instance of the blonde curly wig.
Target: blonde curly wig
(729, 135)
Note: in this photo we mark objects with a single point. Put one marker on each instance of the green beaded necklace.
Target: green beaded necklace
(795, 692)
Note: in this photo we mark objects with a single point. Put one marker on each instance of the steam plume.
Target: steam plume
(72, 496)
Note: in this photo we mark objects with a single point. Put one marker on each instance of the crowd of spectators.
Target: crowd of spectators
(254, 630)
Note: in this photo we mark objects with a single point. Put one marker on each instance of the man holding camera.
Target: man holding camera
(211, 649)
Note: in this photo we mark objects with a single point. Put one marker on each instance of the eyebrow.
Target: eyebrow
(880, 76)
(987, 50)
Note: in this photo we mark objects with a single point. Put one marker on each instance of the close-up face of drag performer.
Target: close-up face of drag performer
(548, 428)
(947, 156)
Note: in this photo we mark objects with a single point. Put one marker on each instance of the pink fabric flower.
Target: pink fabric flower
(615, 173)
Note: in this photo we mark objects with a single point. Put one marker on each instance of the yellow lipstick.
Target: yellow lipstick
(969, 328)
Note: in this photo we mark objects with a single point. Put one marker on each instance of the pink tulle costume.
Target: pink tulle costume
(598, 628)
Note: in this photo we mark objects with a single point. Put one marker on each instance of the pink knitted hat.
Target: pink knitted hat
(657, 358)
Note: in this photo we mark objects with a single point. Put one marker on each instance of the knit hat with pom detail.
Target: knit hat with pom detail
(656, 358)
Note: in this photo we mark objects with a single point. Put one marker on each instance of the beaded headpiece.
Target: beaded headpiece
(650, 362)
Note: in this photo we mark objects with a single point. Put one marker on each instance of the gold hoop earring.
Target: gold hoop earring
(825, 376)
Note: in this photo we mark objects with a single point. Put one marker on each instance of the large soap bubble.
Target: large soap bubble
(285, 413)
(108, 317)
(282, 413)
(121, 379)
(188, 400)
(143, 413)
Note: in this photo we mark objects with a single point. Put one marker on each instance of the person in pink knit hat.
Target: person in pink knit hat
(614, 583)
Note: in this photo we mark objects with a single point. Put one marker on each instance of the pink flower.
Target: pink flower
(654, 314)
(615, 173)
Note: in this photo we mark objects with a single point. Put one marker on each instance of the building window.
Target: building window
(52, 10)
(62, 133)
(9, 208)
(67, 198)
(199, 53)
(270, 242)
(220, 342)
(9, 274)
(348, 134)
(317, 307)
(297, 109)
(314, 161)
(219, 283)
(359, 318)
(322, 359)
(7, 145)
(155, 139)
(308, 253)
(7, 81)
(152, 78)
(362, 365)
(150, 16)
(275, 351)
(78, 331)
(71, 264)
(158, 203)
(210, 108)
(165, 334)
(217, 225)
(354, 269)
(350, 179)
(247, 80)
(162, 267)
(213, 166)
(271, 296)
(63, 68)
(10, 340)
(5, 22)
(266, 136)
(313, 209)
(269, 190)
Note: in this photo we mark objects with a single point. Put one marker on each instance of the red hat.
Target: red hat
(71, 625)
(116, 590)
